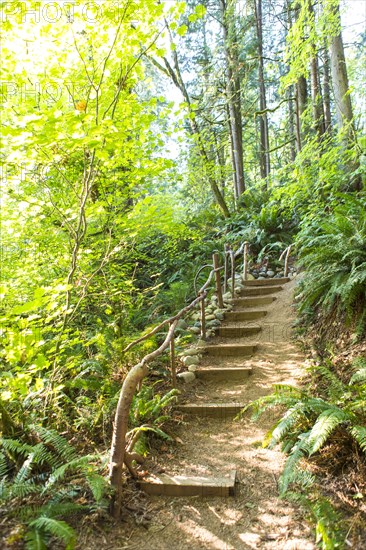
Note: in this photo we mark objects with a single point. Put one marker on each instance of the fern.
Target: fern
(359, 434)
(333, 252)
(325, 424)
(56, 528)
(47, 472)
(35, 540)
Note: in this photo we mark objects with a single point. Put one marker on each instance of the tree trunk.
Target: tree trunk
(340, 78)
(326, 93)
(264, 155)
(342, 96)
(233, 98)
(316, 96)
(292, 125)
(318, 115)
(301, 104)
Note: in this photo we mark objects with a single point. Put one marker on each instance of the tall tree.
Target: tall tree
(316, 95)
(233, 93)
(264, 154)
(342, 97)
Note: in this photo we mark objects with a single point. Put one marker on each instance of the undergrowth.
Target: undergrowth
(310, 424)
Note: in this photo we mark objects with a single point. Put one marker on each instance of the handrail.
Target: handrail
(228, 252)
(120, 455)
(286, 254)
(179, 315)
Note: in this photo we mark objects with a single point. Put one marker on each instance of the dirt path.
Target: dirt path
(255, 517)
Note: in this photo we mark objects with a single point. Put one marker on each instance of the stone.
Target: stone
(270, 273)
(210, 317)
(219, 316)
(189, 352)
(260, 278)
(191, 360)
(182, 324)
(192, 368)
(196, 317)
(227, 296)
(194, 330)
(214, 323)
(250, 277)
(197, 324)
(186, 377)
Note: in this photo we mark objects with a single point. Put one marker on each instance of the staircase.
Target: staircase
(227, 357)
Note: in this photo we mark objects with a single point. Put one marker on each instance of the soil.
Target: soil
(255, 517)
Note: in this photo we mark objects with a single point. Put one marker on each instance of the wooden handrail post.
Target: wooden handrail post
(203, 318)
(285, 271)
(226, 266)
(245, 261)
(216, 265)
(172, 361)
(232, 256)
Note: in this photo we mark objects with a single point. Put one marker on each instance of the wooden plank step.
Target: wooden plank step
(237, 331)
(267, 282)
(244, 315)
(253, 302)
(216, 410)
(229, 349)
(187, 486)
(260, 290)
(223, 373)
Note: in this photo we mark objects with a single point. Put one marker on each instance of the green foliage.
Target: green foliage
(333, 252)
(42, 482)
(307, 426)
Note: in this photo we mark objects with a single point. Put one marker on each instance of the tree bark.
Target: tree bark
(233, 98)
(316, 96)
(264, 155)
(326, 93)
(342, 96)
(318, 116)
(292, 123)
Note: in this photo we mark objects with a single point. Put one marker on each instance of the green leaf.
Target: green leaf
(182, 30)
(56, 528)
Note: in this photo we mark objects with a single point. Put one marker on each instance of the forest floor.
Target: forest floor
(255, 517)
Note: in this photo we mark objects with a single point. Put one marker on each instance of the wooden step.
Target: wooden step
(223, 373)
(253, 302)
(244, 315)
(237, 331)
(260, 290)
(216, 410)
(187, 486)
(267, 282)
(229, 349)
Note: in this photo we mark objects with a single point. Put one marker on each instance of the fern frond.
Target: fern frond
(98, 486)
(359, 434)
(291, 472)
(59, 443)
(79, 463)
(15, 446)
(35, 540)
(56, 528)
(326, 423)
(3, 466)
